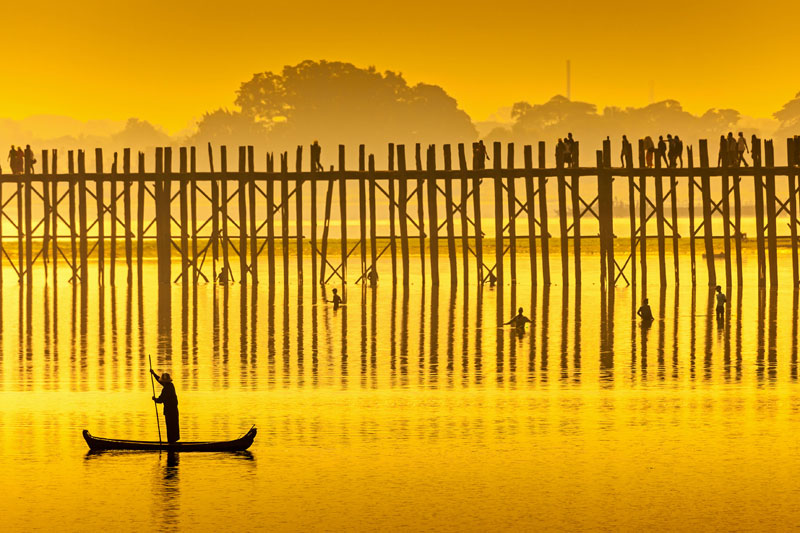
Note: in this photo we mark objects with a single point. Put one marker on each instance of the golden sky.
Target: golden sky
(169, 61)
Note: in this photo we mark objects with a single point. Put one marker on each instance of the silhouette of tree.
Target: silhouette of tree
(140, 133)
(789, 117)
(337, 102)
(228, 127)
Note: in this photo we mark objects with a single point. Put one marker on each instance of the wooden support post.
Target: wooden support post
(498, 214)
(662, 258)
(83, 238)
(140, 194)
(251, 200)
(402, 208)
(298, 215)
(270, 199)
(72, 220)
(343, 213)
(433, 218)
(726, 223)
(562, 219)
(326, 231)
(608, 195)
(575, 197)
(708, 234)
(241, 194)
(315, 165)
(692, 244)
(112, 260)
(673, 189)
(512, 214)
(643, 217)
(53, 214)
(478, 158)
(450, 226)
(543, 224)
(184, 208)
(373, 221)
(362, 211)
(420, 207)
(392, 202)
(193, 212)
(46, 212)
(631, 208)
(101, 257)
(164, 221)
(285, 215)
(214, 214)
(737, 220)
(223, 205)
(601, 212)
(772, 230)
(462, 165)
(791, 179)
(28, 225)
(530, 203)
(126, 208)
(758, 183)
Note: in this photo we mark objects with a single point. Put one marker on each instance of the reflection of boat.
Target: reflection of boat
(236, 445)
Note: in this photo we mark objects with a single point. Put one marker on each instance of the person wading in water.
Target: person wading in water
(170, 400)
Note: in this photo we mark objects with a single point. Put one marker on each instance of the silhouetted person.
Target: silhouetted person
(372, 276)
(480, 154)
(20, 160)
(222, 277)
(678, 149)
(661, 152)
(492, 279)
(316, 154)
(570, 152)
(624, 153)
(12, 159)
(649, 151)
(723, 151)
(671, 155)
(170, 400)
(756, 153)
(731, 150)
(519, 320)
(721, 301)
(644, 312)
(741, 148)
(30, 160)
(337, 300)
(561, 152)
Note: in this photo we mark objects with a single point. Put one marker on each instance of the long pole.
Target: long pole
(153, 385)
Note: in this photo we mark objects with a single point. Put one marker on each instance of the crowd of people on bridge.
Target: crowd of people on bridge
(21, 161)
(732, 150)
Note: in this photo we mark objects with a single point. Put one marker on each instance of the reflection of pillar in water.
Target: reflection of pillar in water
(373, 342)
(243, 318)
(433, 365)
(164, 328)
(300, 340)
(576, 336)
(253, 329)
(772, 353)
(739, 331)
(532, 335)
(451, 319)
(794, 333)
(760, 334)
(404, 338)
(693, 333)
(675, 337)
(271, 333)
(662, 308)
(545, 332)
(564, 360)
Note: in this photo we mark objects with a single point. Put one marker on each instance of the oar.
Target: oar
(152, 384)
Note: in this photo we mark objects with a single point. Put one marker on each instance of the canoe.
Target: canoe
(236, 445)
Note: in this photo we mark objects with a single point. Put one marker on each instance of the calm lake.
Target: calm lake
(405, 409)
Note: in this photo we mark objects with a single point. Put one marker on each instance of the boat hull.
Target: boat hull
(236, 445)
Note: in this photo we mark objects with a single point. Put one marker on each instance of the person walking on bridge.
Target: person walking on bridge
(741, 148)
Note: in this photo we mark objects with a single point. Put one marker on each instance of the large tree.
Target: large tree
(789, 117)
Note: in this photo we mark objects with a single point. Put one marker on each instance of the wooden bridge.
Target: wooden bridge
(95, 213)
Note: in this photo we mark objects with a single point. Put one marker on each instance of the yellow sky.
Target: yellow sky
(169, 61)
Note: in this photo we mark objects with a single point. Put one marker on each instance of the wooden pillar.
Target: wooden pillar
(726, 222)
(46, 212)
(543, 224)
(285, 215)
(223, 206)
(183, 194)
(562, 220)
(575, 197)
(392, 202)
(241, 194)
(112, 260)
(72, 220)
(450, 226)
(462, 165)
(631, 208)
(737, 229)
(214, 214)
(758, 184)
(362, 211)
(313, 185)
(126, 208)
(512, 212)
(193, 212)
(498, 213)
(53, 214)
(601, 211)
(140, 193)
(420, 207)
(477, 163)
(608, 199)
(662, 258)
(402, 208)
(433, 240)
(772, 230)
(298, 215)
(84, 249)
(791, 182)
(326, 230)
(673, 190)
(28, 225)
(343, 212)
(643, 217)
(270, 199)
(251, 200)
(373, 222)
(101, 257)
(163, 220)
(708, 234)
(692, 245)
(530, 203)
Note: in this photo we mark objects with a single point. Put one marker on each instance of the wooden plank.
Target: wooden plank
(241, 195)
(478, 159)
(512, 214)
(562, 220)
(643, 218)
(402, 208)
(270, 200)
(126, 208)
(462, 165)
(101, 257)
(692, 244)
(758, 187)
(433, 215)
(772, 229)
(343, 214)
(373, 221)
(543, 222)
(449, 224)
(498, 214)
(183, 199)
(139, 219)
(708, 234)
(251, 200)
(530, 203)
(662, 260)
(83, 237)
(420, 207)
(791, 182)
(392, 202)
(112, 259)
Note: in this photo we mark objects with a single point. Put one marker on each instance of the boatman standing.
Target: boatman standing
(170, 400)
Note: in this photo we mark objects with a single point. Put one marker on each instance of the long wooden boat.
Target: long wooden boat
(236, 445)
